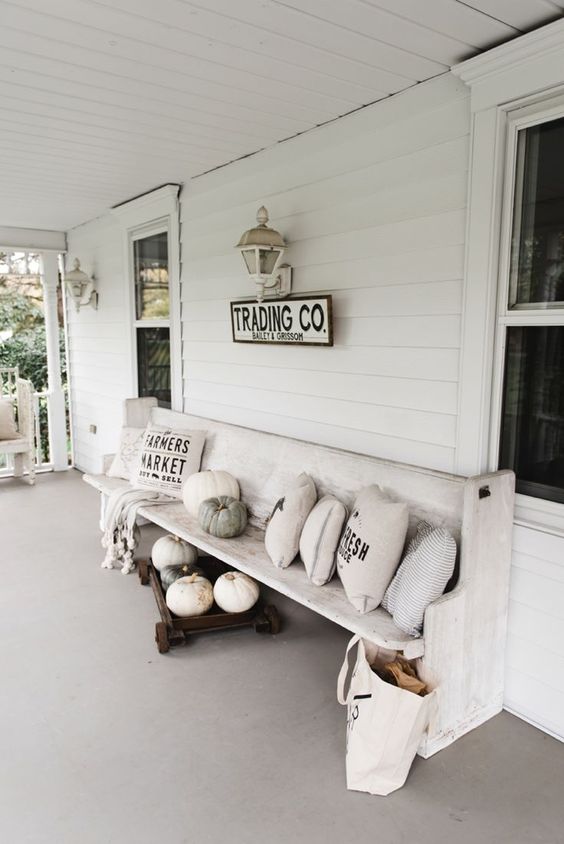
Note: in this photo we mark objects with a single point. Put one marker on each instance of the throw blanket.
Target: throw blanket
(121, 534)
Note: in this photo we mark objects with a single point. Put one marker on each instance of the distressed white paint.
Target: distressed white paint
(463, 649)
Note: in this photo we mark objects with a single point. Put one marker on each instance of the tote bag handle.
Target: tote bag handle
(349, 667)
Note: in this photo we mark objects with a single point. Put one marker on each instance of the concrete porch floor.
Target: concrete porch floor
(235, 737)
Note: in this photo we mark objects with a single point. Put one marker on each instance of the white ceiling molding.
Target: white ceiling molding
(153, 205)
(521, 68)
(32, 240)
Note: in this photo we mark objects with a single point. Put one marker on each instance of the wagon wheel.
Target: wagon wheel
(161, 637)
(268, 621)
(271, 614)
(143, 572)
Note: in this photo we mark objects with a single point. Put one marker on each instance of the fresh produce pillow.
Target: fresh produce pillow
(421, 578)
(320, 537)
(282, 538)
(124, 464)
(167, 458)
(370, 547)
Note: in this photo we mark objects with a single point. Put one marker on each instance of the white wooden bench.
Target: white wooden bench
(462, 650)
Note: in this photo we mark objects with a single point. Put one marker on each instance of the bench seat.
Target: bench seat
(247, 553)
(461, 653)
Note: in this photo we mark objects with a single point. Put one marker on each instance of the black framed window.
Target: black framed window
(532, 422)
(152, 315)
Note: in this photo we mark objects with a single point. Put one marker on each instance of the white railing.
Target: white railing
(8, 381)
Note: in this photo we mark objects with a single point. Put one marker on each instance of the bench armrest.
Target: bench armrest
(107, 460)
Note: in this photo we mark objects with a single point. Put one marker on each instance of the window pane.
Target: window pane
(537, 265)
(151, 276)
(153, 363)
(532, 434)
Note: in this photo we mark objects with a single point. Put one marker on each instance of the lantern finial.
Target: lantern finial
(262, 216)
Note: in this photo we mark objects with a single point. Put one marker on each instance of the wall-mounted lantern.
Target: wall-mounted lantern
(80, 287)
(262, 249)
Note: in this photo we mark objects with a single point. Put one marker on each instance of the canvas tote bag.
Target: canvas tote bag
(385, 724)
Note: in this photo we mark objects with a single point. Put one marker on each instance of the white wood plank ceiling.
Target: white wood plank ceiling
(105, 99)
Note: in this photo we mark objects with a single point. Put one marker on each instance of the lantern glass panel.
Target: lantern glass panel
(268, 258)
(250, 258)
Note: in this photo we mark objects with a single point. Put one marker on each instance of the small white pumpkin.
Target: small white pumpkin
(170, 550)
(235, 592)
(189, 596)
(208, 484)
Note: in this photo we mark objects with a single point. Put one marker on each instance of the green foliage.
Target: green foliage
(26, 347)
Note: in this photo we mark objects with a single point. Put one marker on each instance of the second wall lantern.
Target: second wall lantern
(80, 287)
(262, 249)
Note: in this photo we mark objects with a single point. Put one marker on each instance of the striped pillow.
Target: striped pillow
(421, 578)
(390, 599)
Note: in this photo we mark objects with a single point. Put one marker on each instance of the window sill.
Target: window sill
(539, 514)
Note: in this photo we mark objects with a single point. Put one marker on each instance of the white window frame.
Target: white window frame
(157, 227)
(153, 213)
(529, 508)
(514, 83)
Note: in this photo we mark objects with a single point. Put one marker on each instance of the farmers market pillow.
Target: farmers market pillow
(8, 430)
(320, 537)
(421, 578)
(282, 538)
(124, 464)
(370, 547)
(167, 458)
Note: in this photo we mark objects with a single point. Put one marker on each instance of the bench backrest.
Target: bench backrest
(267, 464)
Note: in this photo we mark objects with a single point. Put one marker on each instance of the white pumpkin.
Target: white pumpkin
(235, 592)
(189, 596)
(172, 551)
(207, 484)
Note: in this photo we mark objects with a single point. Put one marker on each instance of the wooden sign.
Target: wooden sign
(291, 322)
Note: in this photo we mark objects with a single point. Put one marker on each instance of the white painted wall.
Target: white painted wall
(98, 343)
(374, 207)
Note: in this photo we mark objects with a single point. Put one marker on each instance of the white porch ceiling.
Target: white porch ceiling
(105, 99)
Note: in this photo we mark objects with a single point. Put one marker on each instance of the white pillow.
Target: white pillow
(370, 547)
(167, 458)
(282, 537)
(8, 430)
(125, 462)
(320, 537)
(422, 577)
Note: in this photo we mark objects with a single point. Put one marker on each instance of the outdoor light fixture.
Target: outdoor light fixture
(262, 249)
(80, 287)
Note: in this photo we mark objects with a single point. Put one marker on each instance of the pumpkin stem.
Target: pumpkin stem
(230, 576)
(192, 578)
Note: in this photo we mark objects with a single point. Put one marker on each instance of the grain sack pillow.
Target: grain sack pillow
(125, 462)
(320, 538)
(282, 538)
(167, 458)
(370, 547)
(422, 577)
(8, 430)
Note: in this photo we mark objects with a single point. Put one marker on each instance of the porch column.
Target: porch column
(56, 396)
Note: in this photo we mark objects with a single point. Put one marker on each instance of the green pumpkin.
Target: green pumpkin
(223, 516)
(171, 573)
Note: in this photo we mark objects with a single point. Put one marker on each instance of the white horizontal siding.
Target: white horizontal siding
(98, 345)
(374, 212)
(534, 685)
